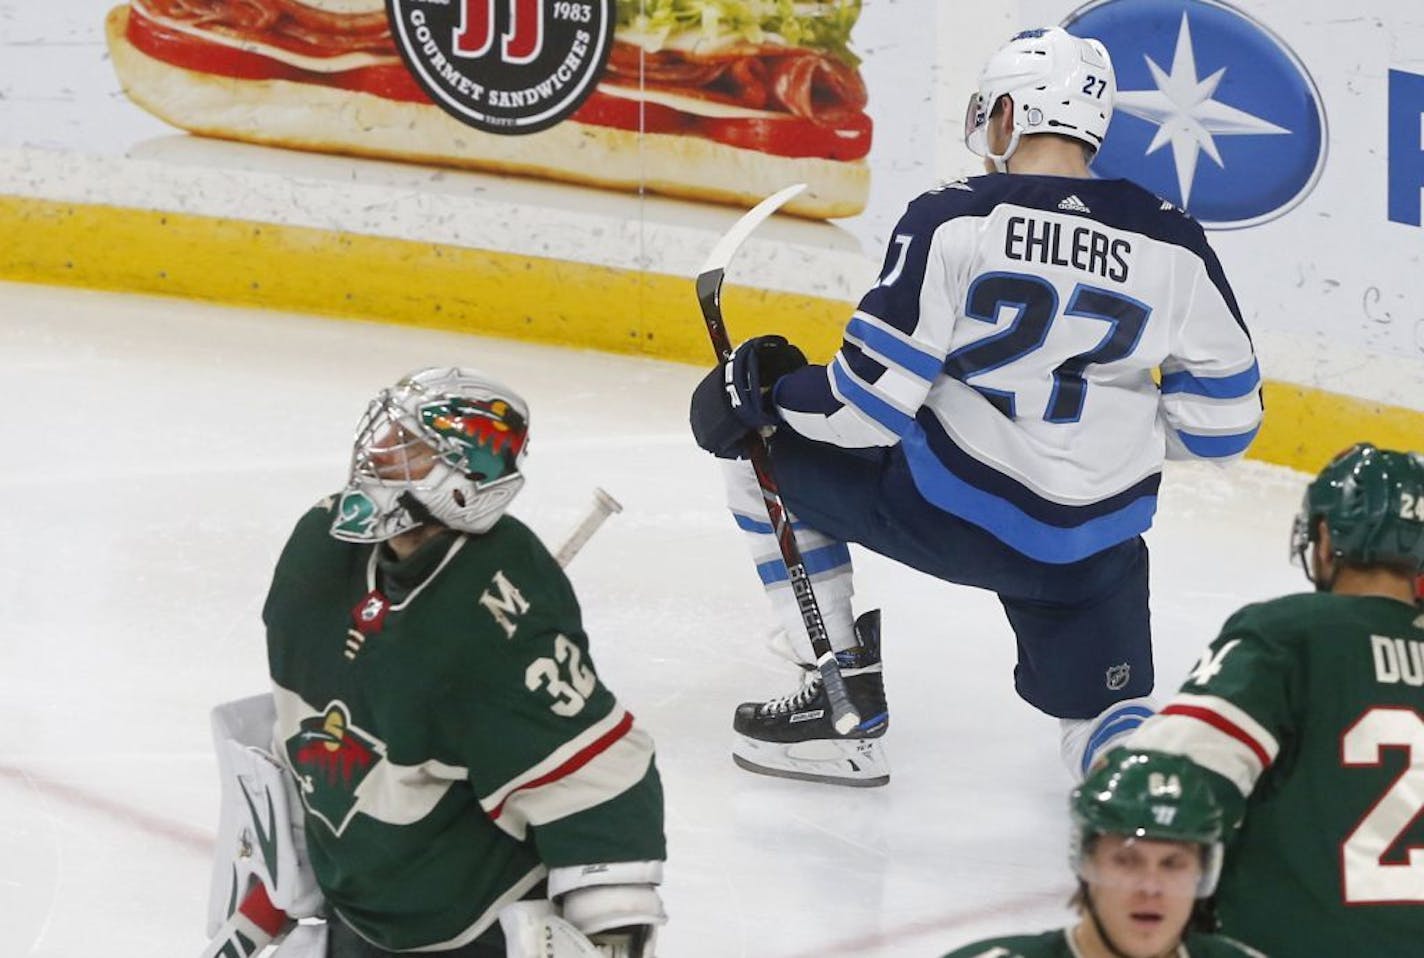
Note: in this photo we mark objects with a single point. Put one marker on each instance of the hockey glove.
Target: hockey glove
(734, 400)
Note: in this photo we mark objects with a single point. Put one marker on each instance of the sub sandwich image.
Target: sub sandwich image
(704, 99)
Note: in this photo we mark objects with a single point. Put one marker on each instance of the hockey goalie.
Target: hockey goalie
(439, 768)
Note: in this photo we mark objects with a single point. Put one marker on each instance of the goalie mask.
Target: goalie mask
(1148, 795)
(444, 445)
(1058, 83)
(1372, 501)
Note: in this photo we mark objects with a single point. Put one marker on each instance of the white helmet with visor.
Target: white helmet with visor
(1059, 84)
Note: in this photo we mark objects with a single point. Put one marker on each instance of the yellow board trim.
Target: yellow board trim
(489, 293)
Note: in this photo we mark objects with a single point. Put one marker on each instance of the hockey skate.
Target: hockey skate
(792, 736)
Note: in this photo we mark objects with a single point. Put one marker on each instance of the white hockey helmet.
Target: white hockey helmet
(1059, 83)
(443, 444)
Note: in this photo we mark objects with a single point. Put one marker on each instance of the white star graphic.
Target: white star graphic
(1185, 113)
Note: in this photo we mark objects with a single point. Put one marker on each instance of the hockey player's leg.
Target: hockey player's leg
(1084, 741)
(827, 563)
(792, 736)
(1089, 663)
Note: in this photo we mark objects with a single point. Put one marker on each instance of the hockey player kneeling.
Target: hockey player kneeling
(447, 774)
(1146, 846)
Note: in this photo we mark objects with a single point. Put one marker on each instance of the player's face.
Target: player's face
(397, 454)
(1143, 891)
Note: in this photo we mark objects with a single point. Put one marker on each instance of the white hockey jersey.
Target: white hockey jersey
(1011, 343)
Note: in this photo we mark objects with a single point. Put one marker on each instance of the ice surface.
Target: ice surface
(155, 455)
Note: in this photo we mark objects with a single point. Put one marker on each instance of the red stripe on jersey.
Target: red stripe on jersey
(584, 756)
(1219, 722)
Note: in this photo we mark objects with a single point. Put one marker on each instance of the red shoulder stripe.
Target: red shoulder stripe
(1223, 724)
(578, 761)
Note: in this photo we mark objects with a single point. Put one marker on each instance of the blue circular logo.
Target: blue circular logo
(1214, 111)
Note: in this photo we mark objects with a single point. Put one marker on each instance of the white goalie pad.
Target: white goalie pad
(261, 835)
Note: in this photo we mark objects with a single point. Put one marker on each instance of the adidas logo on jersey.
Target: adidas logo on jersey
(1074, 205)
(959, 184)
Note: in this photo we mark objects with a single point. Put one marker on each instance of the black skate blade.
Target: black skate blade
(753, 767)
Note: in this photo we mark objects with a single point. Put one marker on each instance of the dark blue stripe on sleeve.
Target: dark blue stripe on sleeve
(869, 403)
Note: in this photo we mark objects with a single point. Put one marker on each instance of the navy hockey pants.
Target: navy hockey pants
(1082, 628)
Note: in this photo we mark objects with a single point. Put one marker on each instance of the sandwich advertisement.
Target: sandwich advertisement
(720, 101)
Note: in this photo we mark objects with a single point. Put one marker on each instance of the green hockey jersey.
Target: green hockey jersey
(1310, 709)
(448, 733)
(1060, 944)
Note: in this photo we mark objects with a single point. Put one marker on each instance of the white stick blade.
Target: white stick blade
(744, 227)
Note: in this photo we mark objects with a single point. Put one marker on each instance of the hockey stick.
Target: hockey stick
(604, 506)
(257, 921)
(709, 296)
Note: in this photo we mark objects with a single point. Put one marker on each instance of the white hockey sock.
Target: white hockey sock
(1085, 740)
(827, 563)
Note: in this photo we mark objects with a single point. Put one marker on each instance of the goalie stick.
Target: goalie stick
(709, 297)
(604, 506)
(257, 921)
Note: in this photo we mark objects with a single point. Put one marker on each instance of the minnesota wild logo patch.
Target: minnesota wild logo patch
(331, 758)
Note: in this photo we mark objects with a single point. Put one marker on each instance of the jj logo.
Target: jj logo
(521, 44)
(505, 66)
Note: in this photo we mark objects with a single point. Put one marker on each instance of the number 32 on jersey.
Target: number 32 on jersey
(564, 676)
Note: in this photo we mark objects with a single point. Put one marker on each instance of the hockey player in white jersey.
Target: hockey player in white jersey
(994, 418)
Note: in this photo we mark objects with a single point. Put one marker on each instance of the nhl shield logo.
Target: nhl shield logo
(1118, 676)
(505, 66)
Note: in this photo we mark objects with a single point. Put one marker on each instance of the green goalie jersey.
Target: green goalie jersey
(1059, 944)
(448, 733)
(1311, 710)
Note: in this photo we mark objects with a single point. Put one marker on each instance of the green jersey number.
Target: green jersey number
(571, 694)
(1368, 880)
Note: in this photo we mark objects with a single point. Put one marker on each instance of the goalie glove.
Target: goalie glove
(616, 904)
(261, 831)
(534, 929)
(609, 910)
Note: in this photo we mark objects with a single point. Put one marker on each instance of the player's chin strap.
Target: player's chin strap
(1103, 932)
(1001, 160)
